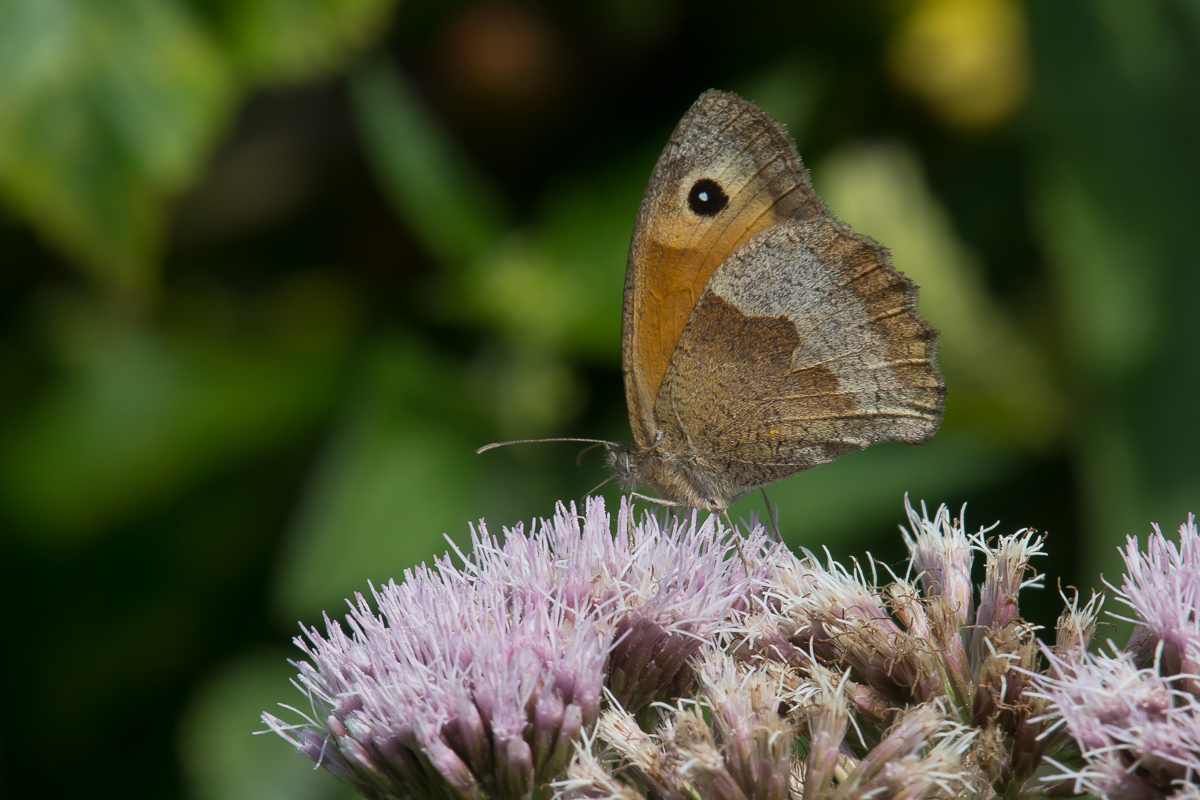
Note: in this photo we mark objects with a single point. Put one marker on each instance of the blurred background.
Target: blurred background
(270, 270)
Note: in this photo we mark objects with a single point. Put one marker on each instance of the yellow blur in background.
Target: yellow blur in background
(968, 60)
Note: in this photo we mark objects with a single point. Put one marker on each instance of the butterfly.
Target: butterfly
(760, 336)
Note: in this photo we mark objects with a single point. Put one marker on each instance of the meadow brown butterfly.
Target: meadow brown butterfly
(760, 335)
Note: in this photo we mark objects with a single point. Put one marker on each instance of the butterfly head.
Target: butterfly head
(623, 466)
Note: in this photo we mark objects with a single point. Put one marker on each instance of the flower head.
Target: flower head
(1134, 714)
(479, 681)
(1130, 723)
(739, 740)
(942, 556)
(1162, 587)
(924, 642)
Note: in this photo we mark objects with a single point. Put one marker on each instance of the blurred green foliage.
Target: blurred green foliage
(270, 270)
(110, 107)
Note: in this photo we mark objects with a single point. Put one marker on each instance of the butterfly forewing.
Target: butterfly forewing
(727, 174)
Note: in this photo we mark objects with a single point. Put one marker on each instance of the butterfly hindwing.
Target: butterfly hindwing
(804, 345)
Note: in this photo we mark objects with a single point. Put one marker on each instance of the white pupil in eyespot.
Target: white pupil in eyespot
(703, 197)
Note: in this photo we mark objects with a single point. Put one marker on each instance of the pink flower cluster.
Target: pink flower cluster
(1134, 713)
(478, 681)
(680, 660)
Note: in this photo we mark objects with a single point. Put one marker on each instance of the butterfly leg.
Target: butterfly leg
(772, 516)
(665, 505)
(772, 521)
(597, 487)
(658, 501)
(737, 541)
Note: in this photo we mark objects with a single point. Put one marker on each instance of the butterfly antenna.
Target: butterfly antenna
(494, 445)
(579, 458)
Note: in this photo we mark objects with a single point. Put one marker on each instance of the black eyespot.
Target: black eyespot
(707, 197)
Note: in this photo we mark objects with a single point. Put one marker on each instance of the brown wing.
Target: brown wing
(805, 344)
(726, 157)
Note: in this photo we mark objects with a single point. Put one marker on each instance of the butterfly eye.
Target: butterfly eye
(707, 197)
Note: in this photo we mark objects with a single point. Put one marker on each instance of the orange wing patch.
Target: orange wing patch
(677, 246)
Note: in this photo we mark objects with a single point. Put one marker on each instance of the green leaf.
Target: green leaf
(428, 180)
(106, 108)
(288, 40)
(139, 412)
(398, 473)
